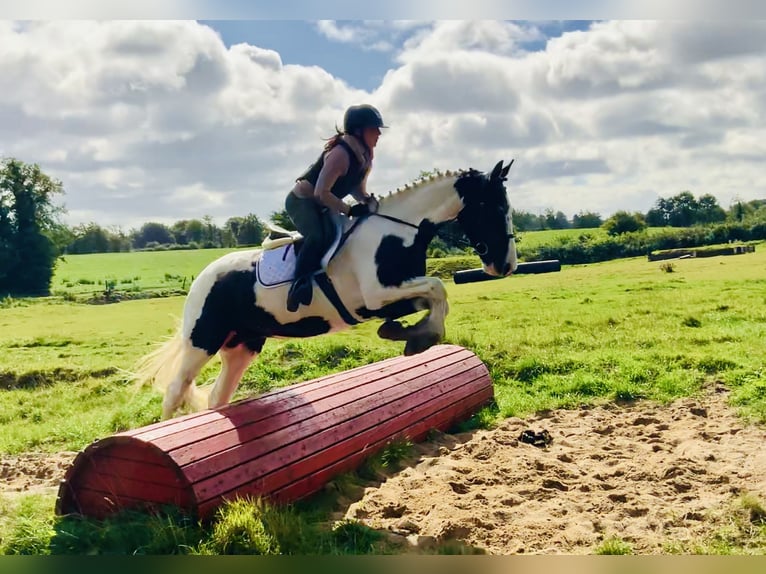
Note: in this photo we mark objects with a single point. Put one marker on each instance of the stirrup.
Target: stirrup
(301, 292)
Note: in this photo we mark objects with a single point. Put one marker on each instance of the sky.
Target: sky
(161, 120)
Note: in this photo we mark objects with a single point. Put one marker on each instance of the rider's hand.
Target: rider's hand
(358, 210)
(372, 203)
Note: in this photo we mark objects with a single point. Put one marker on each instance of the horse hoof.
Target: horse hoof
(392, 330)
(419, 344)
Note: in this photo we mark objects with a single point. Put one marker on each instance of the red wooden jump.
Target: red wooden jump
(282, 445)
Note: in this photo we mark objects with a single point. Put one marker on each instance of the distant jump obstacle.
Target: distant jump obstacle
(282, 445)
(474, 275)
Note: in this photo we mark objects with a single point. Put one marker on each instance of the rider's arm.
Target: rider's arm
(336, 164)
(360, 192)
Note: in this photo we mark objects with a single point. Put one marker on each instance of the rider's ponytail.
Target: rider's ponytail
(333, 140)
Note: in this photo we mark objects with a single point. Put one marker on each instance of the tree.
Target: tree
(526, 221)
(708, 210)
(152, 232)
(555, 220)
(587, 220)
(624, 222)
(246, 230)
(90, 238)
(683, 210)
(27, 219)
(118, 240)
(282, 219)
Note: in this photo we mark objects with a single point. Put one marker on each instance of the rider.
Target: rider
(341, 169)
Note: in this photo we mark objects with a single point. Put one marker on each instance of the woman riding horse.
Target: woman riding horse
(341, 169)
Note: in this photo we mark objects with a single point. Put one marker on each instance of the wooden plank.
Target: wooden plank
(216, 451)
(288, 441)
(313, 480)
(128, 449)
(350, 436)
(152, 474)
(99, 505)
(132, 487)
(294, 406)
(441, 420)
(381, 405)
(251, 411)
(371, 440)
(390, 366)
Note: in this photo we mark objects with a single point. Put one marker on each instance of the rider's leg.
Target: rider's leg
(308, 217)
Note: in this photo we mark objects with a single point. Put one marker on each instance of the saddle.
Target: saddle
(280, 248)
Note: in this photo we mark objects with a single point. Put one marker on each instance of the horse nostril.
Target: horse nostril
(507, 269)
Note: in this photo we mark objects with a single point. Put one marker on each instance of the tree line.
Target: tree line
(681, 210)
(32, 236)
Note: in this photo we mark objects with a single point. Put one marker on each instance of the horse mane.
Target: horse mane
(421, 182)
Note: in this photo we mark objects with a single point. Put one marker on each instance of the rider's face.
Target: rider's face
(370, 136)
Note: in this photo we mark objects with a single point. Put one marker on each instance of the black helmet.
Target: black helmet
(360, 117)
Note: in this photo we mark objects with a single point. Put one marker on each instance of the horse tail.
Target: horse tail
(158, 367)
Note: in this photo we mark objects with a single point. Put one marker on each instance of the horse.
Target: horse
(376, 270)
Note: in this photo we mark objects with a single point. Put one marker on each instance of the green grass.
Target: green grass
(616, 330)
(138, 270)
(620, 330)
(741, 531)
(613, 546)
(532, 239)
(76, 275)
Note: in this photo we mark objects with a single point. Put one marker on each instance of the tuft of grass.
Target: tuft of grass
(691, 322)
(387, 459)
(239, 529)
(667, 267)
(738, 530)
(485, 418)
(353, 537)
(613, 546)
(31, 529)
(131, 532)
(755, 509)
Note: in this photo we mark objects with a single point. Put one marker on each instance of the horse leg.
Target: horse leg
(234, 363)
(192, 361)
(428, 331)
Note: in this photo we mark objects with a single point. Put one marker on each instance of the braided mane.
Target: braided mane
(420, 183)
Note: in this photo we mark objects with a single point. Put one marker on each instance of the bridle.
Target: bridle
(479, 247)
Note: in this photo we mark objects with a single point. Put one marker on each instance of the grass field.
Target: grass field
(174, 270)
(625, 329)
(138, 270)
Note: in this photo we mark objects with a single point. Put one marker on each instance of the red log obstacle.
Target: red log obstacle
(283, 445)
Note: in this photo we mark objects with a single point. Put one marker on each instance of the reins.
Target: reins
(395, 219)
(480, 247)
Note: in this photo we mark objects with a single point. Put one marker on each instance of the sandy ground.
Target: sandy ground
(647, 474)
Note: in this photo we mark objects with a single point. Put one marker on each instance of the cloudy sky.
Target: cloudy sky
(158, 120)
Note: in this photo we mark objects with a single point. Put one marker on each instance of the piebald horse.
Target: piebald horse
(379, 271)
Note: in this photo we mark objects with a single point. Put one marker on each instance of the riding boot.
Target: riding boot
(302, 289)
(300, 293)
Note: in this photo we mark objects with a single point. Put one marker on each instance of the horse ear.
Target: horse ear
(496, 170)
(506, 169)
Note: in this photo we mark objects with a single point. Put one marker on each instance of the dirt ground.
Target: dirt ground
(646, 474)
(649, 475)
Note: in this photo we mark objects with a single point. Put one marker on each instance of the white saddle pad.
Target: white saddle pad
(277, 264)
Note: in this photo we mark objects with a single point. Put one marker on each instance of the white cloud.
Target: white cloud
(159, 120)
(371, 35)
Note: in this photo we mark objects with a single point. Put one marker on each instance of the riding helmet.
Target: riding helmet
(360, 117)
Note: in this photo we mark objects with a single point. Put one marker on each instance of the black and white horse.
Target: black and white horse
(377, 272)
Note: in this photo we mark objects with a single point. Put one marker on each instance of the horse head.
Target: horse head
(486, 218)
